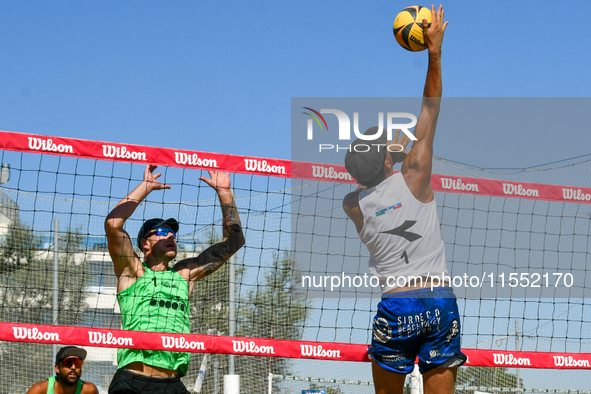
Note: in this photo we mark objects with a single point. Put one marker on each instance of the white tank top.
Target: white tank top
(402, 234)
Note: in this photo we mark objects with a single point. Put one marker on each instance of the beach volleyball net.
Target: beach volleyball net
(293, 308)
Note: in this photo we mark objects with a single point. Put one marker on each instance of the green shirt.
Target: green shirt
(51, 383)
(159, 302)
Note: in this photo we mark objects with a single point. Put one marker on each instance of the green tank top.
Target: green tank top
(159, 302)
(51, 383)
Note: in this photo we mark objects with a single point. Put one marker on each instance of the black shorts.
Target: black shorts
(127, 382)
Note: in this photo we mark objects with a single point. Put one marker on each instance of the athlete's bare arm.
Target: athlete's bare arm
(351, 207)
(210, 260)
(417, 167)
(39, 388)
(127, 263)
(398, 147)
(89, 388)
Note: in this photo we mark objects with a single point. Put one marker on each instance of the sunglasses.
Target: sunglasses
(68, 362)
(161, 232)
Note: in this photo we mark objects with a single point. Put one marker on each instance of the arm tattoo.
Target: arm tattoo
(216, 255)
(231, 219)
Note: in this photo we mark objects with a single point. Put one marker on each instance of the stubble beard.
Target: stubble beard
(66, 379)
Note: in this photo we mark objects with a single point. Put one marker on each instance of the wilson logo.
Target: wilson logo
(330, 173)
(318, 351)
(251, 347)
(48, 145)
(578, 194)
(562, 361)
(193, 160)
(181, 343)
(263, 166)
(457, 184)
(509, 359)
(34, 333)
(108, 339)
(519, 190)
(121, 152)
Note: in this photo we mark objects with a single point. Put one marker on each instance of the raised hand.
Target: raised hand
(433, 35)
(397, 147)
(218, 180)
(151, 179)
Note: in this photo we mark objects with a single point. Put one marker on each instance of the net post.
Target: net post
(231, 384)
(55, 279)
(517, 348)
(216, 364)
(232, 308)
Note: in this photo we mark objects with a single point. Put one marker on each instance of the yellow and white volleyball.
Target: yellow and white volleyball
(408, 27)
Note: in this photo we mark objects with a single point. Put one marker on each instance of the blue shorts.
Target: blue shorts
(421, 323)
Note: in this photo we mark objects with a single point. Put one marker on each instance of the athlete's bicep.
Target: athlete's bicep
(418, 165)
(121, 250)
(416, 171)
(38, 388)
(89, 388)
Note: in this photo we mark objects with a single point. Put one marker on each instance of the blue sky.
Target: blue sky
(219, 77)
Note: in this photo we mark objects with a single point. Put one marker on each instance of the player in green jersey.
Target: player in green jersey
(68, 369)
(154, 296)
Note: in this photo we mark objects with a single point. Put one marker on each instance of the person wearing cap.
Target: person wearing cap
(68, 368)
(155, 297)
(396, 218)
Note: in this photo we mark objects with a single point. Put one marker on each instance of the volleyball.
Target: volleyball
(408, 27)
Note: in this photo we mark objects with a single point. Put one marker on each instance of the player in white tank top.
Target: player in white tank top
(396, 217)
(401, 233)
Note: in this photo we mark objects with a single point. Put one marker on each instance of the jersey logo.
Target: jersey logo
(393, 207)
(401, 231)
(453, 331)
(382, 332)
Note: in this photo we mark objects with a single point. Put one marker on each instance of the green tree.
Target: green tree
(271, 311)
(209, 305)
(267, 311)
(210, 298)
(26, 288)
(17, 248)
(487, 377)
